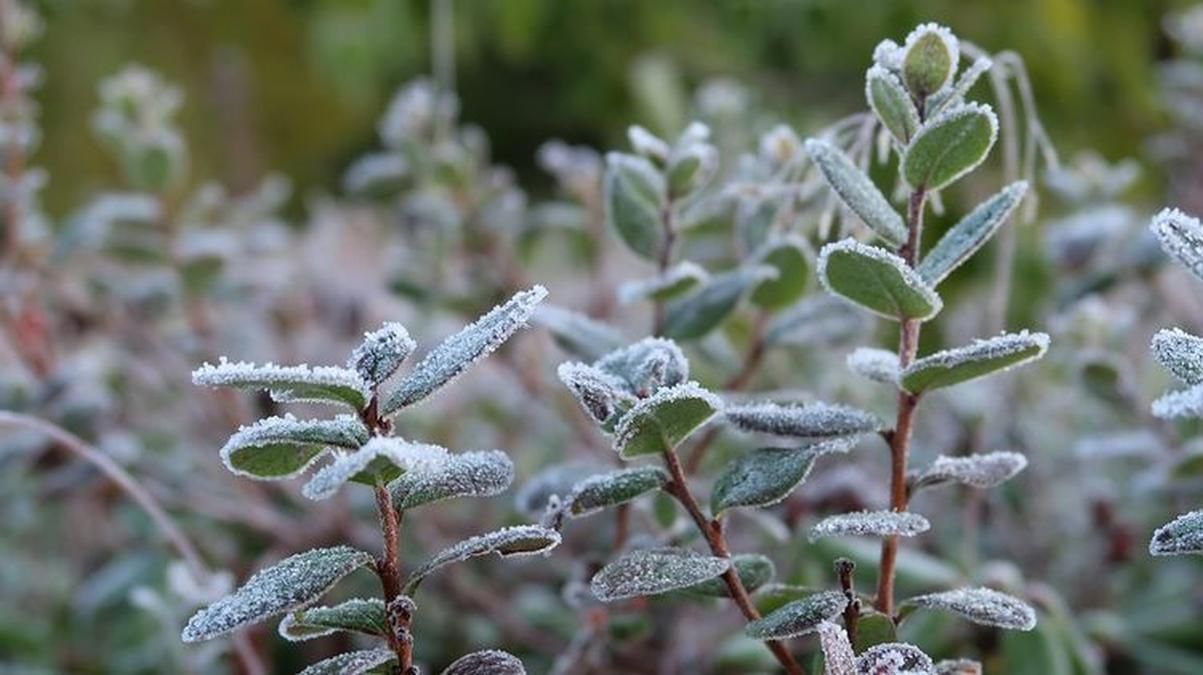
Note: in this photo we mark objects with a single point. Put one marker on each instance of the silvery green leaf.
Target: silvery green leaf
(894, 658)
(482, 473)
(877, 280)
(654, 571)
(1180, 353)
(978, 359)
(275, 448)
(600, 393)
(673, 282)
(838, 657)
(799, 617)
(1184, 403)
(971, 233)
(870, 524)
(648, 144)
(1182, 535)
(787, 256)
(690, 168)
(323, 384)
(857, 192)
(453, 355)
(754, 570)
(659, 422)
(949, 146)
(357, 616)
(634, 194)
(766, 476)
(980, 66)
(554, 481)
(381, 352)
(694, 315)
(807, 420)
(576, 333)
(292, 583)
(929, 59)
(879, 365)
(616, 487)
(892, 103)
(515, 541)
(959, 667)
(984, 606)
(489, 662)
(351, 663)
(647, 365)
(1181, 237)
(819, 319)
(986, 470)
(379, 461)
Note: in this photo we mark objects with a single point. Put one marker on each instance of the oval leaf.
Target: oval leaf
(660, 422)
(857, 192)
(694, 315)
(980, 471)
(378, 462)
(1181, 237)
(633, 197)
(1180, 353)
(1182, 535)
(754, 571)
(766, 476)
(654, 571)
(647, 365)
(879, 365)
(929, 59)
(981, 358)
(576, 333)
(489, 662)
(984, 606)
(799, 617)
(807, 420)
(895, 658)
(356, 616)
(877, 280)
(465, 474)
(891, 103)
(519, 540)
(971, 233)
(950, 146)
(275, 448)
(617, 487)
(321, 384)
(788, 257)
(870, 524)
(351, 663)
(675, 281)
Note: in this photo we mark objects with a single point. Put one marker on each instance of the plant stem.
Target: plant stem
(712, 530)
(388, 568)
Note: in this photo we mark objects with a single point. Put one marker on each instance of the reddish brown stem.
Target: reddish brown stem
(388, 568)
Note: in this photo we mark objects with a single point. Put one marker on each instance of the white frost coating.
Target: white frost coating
(599, 392)
(807, 420)
(483, 473)
(946, 36)
(838, 656)
(857, 192)
(984, 606)
(654, 571)
(351, 663)
(684, 272)
(358, 614)
(476, 341)
(1182, 535)
(879, 73)
(554, 481)
(586, 337)
(870, 524)
(403, 454)
(287, 383)
(1181, 237)
(488, 662)
(965, 238)
(800, 617)
(381, 352)
(508, 542)
(344, 431)
(1184, 403)
(1180, 353)
(372, 170)
(631, 361)
(980, 471)
(894, 658)
(983, 350)
(959, 667)
(647, 144)
(909, 276)
(972, 74)
(888, 54)
(951, 115)
(632, 422)
(879, 365)
(616, 487)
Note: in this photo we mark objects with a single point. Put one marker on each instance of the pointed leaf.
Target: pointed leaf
(466, 474)
(601, 394)
(895, 658)
(877, 280)
(929, 59)
(857, 192)
(321, 384)
(617, 487)
(788, 257)
(382, 352)
(675, 281)
(980, 471)
(807, 420)
(838, 657)
(892, 103)
(978, 359)
(378, 462)
(489, 662)
(658, 423)
(1181, 237)
(351, 663)
(519, 540)
(356, 616)
(1182, 535)
(275, 448)
(694, 315)
(766, 476)
(292, 583)
(971, 233)
(754, 571)
(634, 192)
(984, 606)
(950, 146)
(870, 524)
(576, 333)
(799, 617)
(879, 365)
(654, 571)
(1180, 353)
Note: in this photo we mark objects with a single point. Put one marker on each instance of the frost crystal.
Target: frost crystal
(290, 584)
(452, 356)
(1181, 353)
(808, 420)
(351, 663)
(1181, 237)
(879, 365)
(753, 569)
(664, 419)
(894, 658)
(467, 474)
(381, 352)
(490, 662)
(374, 457)
(971, 233)
(838, 656)
(676, 279)
(358, 615)
(617, 487)
(917, 37)
(980, 471)
(576, 333)
(979, 358)
(892, 285)
(324, 384)
(598, 392)
(276, 448)
(1182, 535)
(857, 191)
(766, 476)
(870, 524)
(1184, 403)
(799, 617)
(650, 356)
(984, 606)
(519, 540)
(654, 571)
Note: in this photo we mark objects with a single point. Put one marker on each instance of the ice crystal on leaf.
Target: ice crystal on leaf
(930, 56)
(616, 487)
(324, 384)
(984, 606)
(964, 239)
(489, 662)
(275, 448)
(654, 571)
(858, 193)
(950, 145)
(1182, 535)
(808, 420)
(980, 471)
(753, 569)
(1180, 353)
(877, 280)
(894, 658)
(871, 524)
(351, 663)
(515, 541)
(1181, 237)
(664, 419)
(674, 281)
(381, 352)
(978, 359)
(652, 356)
(358, 615)
(879, 365)
(1184, 403)
(380, 460)
(599, 393)
(766, 476)
(483, 473)
(799, 617)
(838, 657)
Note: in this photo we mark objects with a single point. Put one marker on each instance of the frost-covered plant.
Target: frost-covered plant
(360, 447)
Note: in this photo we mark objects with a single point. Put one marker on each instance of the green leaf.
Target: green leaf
(519, 540)
(984, 606)
(355, 616)
(378, 462)
(488, 662)
(971, 233)
(808, 420)
(929, 60)
(788, 257)
(1180, 353)
(322, 384)
(766, 476)
(892, 104)
(556, 480)
(617, 487)
(292, 583)
(799, 617)
(466, 474)
(601, 394)
(695, 315)
(1182, 535)
(981, 358)
(674, 282)
(634, 195)
(950, 146)
(647, 365)
(658, 423)
(771, 597)
(352, 663)
(877, 280)
(576, 333)
(857, 192)
(754, 570)
(381, 352)
(654, 571)
(870, 524)
(276, 448)
(874, 628)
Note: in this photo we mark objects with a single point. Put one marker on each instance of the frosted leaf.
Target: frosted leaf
(894, 658)
(877, 280)
(959, 667)
(482, 473)
(674, 281)
(275, 448)
(454, 354)
(838, 657)
(661, 421)
(766, 476)
(807, 420)
(324, 384)
(381, 352)
(950, 145)
(515, 541)
(799, 617)
(376, 174)
(972, 232)
(819, 319)
(980, 66)
(576, 333)
(1181, 237)
(379, 461)
(292, 583)
(879, 365)
(870, 524)
(654, 571)
(648, 144)
(984, 606)
(980, 471)
(857, 192)
(490, 662)
(1180, 353)
(977, 359)
(753, 569)
(891, 102)
(601, 394)
(788, 258)
(647, 365)
(1182, 535)
(633, 191)
(617, 487)
(553, 481)
(351, 663)
(358, 616)
(1184, 403)
(930, 57)
(704, 309)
